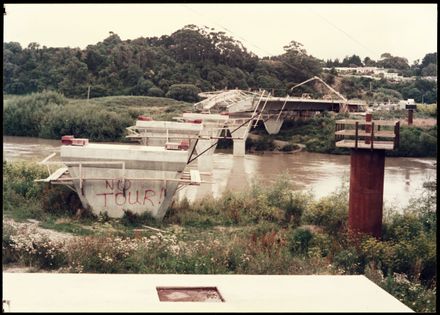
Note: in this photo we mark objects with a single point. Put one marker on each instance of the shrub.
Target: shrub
(413, 294)
(330, 213)
(299, 241)
(184, 92)
(134, 219)
(155, 91)
(27, 246)
(21, 195)
(349, 261)
(8, 232)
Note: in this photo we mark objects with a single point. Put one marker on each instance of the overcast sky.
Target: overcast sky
(325, 30)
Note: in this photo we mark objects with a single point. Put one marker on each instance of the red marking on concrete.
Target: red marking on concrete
(109, 184)
(105, 197)
(132, 197)
(137, 198)
(146, 197)
(124, 199)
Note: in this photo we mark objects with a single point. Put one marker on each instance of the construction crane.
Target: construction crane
(344, 104)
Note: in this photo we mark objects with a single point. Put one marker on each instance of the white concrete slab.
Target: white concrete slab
(169, 125)
(98, 151)
(52, 292)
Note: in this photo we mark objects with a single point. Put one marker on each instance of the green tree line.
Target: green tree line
(195, 59)
(200, 58)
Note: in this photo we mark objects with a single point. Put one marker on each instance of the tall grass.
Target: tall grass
(51, 115)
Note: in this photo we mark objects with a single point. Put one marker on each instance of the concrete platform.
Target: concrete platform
(51, 292)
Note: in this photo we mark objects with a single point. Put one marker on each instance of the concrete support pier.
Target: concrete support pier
(239, 136)
(366, 191)
(212, 127)
(273, 125)
(205, 160)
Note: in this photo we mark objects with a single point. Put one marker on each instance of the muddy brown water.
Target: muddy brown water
(320, 173)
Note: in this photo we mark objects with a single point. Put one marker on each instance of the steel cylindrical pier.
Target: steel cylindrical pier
(366, 191)
(410, 116)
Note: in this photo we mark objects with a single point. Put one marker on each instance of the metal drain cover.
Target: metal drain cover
(189, 294)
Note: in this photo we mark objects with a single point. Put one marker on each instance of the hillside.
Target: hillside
(180, 65)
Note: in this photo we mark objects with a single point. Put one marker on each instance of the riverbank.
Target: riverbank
(268, 229)
(50, 115)
(316, 172)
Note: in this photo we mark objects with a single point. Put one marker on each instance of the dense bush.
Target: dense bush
(299, 241)
(50, 115)
(24, 198)
(23, 116)
(21, 194)
(184, 92)
(85, 120)
(415, 141)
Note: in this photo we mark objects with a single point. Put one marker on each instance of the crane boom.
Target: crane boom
(328, 86)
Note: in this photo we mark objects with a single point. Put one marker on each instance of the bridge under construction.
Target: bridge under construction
(245, 109)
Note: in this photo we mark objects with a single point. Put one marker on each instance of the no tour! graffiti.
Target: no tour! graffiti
(132, 196)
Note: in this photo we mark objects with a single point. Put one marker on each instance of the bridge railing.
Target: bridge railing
(374, 134)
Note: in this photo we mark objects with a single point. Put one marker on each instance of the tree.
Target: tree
(430, 70)
(368, 62)
(353, 61)
(429, 59)
(392, 62)
(295, 65)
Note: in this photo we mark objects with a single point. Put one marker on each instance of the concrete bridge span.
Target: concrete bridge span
(246, 108)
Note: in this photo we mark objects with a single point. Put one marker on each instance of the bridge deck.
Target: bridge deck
(304, 104)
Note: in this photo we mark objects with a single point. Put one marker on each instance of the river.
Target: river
(320, 173)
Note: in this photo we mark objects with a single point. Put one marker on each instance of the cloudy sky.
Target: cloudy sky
(325, 30)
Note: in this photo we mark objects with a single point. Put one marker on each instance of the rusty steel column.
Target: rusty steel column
(366, 191)
(368, 118)
(410, 117)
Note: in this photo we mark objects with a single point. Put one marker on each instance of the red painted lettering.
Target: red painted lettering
(123, 200)
(126, 184)
(107, 184)
(147, 197)
(137, 198)
(105, 197)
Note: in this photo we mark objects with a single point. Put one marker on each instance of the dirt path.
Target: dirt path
(34, 225)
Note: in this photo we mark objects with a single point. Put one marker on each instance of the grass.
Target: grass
(67, 226)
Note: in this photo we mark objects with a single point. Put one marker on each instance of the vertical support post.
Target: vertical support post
(366, 192)
(397, 135)
(367, 127)
(372, 135)
(88, 94)
(356, 133)
(123, 178)
(410, 117)
(80, 179)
